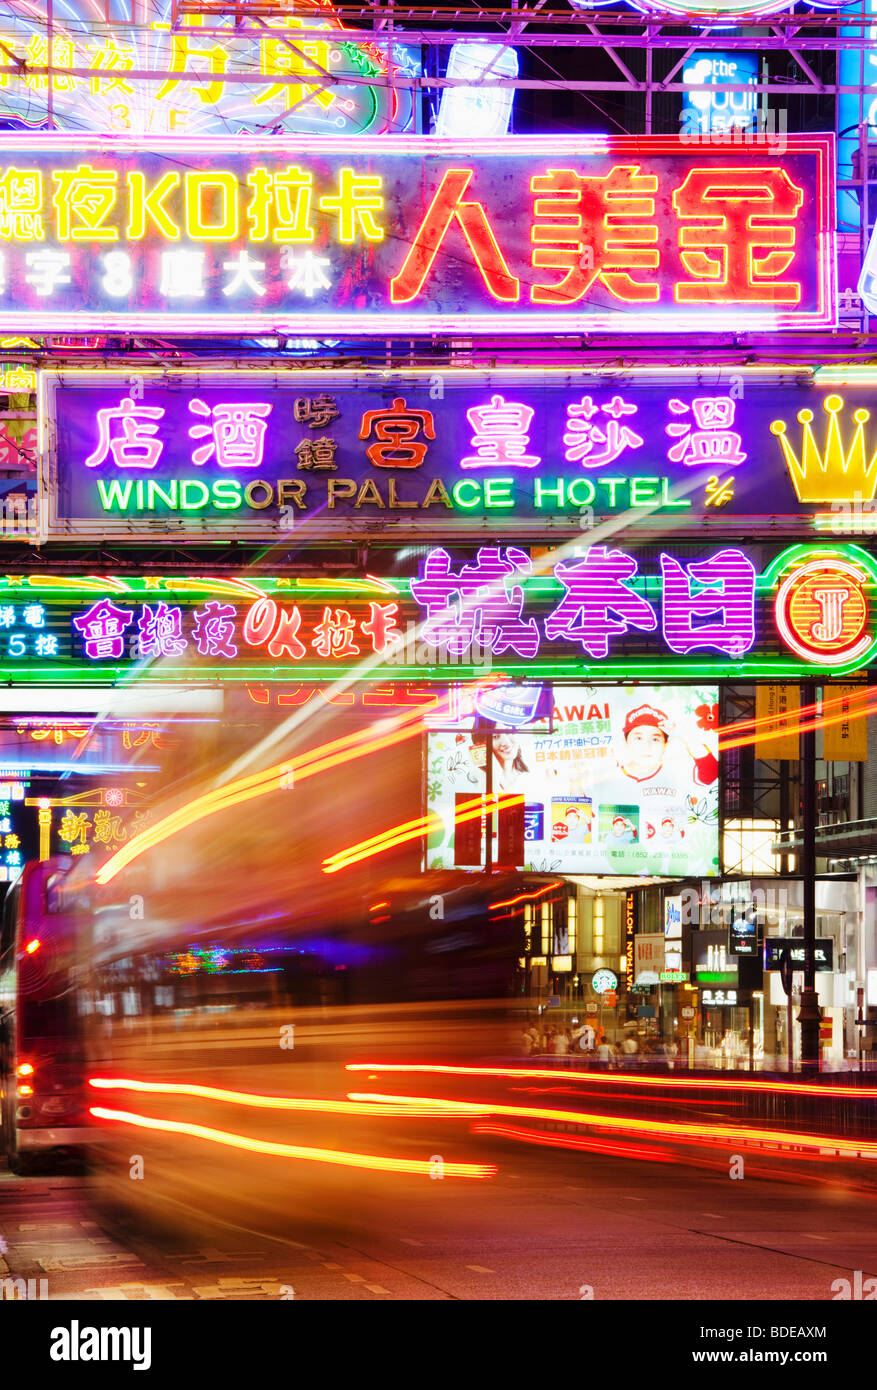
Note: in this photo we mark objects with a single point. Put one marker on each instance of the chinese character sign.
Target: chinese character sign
(326, 454)
(621, 233)
(599, 610)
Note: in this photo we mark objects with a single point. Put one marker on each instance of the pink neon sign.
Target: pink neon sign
(429, 235)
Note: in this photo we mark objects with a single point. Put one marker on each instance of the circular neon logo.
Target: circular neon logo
(604, 982)
(822, 612)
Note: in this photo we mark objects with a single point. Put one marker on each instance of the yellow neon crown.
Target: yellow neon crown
(836, 476)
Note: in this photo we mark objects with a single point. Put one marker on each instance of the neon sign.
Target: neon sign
(718, 109)
(326, 454)
(488, 614)
(531, 233)
(302, 86)
(822, 611)
(836, 473)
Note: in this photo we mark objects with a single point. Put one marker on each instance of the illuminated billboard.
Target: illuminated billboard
(333, 453)
(116, 70)
(415, 234)
(595, 612)
(622, 780)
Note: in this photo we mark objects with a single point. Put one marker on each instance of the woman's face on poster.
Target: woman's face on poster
(505, 747)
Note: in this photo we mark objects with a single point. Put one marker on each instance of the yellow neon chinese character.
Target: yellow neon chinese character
(273, 200)
(21, 205)
(222, 200)
(88, 193)
(108, 829)
(111, 56)
(151, 205)
(16, 379)
(358, 196)
(206, 57)
(280, 58)
(11, 842)
(73, 828)
(37, 56)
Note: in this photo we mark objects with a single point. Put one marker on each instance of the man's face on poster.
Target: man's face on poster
(645, 750)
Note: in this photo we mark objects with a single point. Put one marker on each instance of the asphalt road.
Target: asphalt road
(551, 1225)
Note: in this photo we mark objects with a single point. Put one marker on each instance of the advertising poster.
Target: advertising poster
(622, 780)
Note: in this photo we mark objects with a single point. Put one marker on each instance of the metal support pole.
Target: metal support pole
(488, 804)
(784, 816)
(809, 1016)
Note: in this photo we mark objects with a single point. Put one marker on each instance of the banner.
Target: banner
(648, 958)
(626, 782)
(412, 234)
(258, 453)
(845, 734)
(776, 721)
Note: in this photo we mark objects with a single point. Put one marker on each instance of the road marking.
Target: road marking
(810, 1236)
(142, 1292)
(713, 1215)
(354, 1278)
(406, 1240)
(481, 1269)
(378, 1288)
(634, 1199)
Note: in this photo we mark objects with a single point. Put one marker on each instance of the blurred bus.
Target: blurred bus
(43, 1105)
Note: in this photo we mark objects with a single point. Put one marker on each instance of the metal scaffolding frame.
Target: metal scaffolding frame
(646, 53)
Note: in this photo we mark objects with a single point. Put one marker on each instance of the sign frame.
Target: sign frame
(397, 276)
(562, 492)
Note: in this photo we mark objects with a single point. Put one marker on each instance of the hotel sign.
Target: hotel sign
(414, 234)
(334, 454)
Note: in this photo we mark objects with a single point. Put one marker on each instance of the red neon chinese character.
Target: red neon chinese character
(286, 638)
(591, 236)
(334, 635)
(396, 430)
(445, 207)
(737, 251)
(382, 626)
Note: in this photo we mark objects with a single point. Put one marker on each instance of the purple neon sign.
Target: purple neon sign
(706, 605)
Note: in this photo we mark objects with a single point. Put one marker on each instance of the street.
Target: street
(550, 1226)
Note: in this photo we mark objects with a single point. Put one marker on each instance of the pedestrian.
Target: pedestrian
(629, 1048)
(561, 1043)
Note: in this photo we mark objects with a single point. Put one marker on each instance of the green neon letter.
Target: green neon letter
(168, 495)
(574, 492)
(457, 492)
(185, 485)
(115, 493)
(643, 491)
(227, 494)
(497, 492)
(612, 484)
(543, 489)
